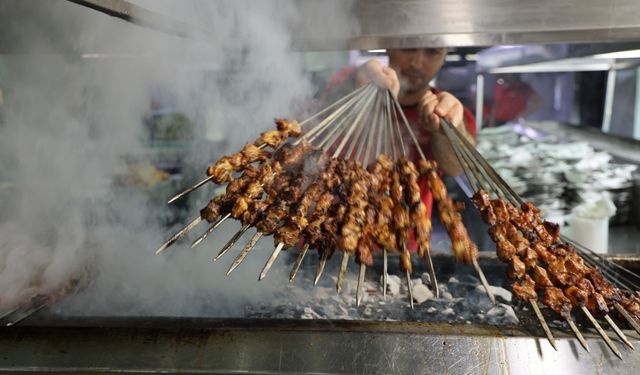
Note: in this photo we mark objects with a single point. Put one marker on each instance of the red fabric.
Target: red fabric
(510, 100)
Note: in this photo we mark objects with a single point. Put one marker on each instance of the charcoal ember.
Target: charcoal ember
(393, 284)
(312, 312)
(501, 314)
(446, 296)
(448, 312)
(468, 278)
(426, 278)
(460, 289)
(498, 292)
(479, 299)
(421, 293)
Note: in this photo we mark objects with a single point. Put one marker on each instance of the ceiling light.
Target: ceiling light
(453, 57)
(630, 54)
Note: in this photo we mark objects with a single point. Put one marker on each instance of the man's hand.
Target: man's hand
(432, 107)
(383, 76)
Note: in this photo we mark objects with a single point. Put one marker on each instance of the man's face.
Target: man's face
(416, 67)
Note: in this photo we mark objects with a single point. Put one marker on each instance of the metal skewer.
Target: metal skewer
(618, 331)
(410, 287)
(601, 332)
(231, 242)
(625, 314)
(189, 190)
(359, 290)
(248, 247)
(467, 157)
(296, 266)
(26, 313)
(384, 272)
(578, 334)
(210, 230)
(10, 311)
(343, 271)
(179, 235)
(427, 254)
(544, 324)
(475, 178)
(320, 269)
(270, 261)
(347, 98)
(483, 280)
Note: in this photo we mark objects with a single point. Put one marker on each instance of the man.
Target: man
(408, 76)
(513, 99)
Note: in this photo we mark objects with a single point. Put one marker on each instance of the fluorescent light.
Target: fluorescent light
(630, 54)
(552, 68)
(471, 57)
(453, 57)
(377, 50)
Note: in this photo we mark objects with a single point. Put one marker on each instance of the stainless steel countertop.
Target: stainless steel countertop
(299, 347)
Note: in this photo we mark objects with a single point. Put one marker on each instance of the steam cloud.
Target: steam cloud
(76, 91)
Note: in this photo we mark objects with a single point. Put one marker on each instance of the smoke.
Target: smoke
(77, 86)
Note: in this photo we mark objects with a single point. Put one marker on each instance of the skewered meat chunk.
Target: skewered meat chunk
(363, 253)
(500, 210)
(422, 228)
(530, 258)
(257, 210)
(555, 299)
(221, 171)
(521, 244)
(603, 287)
(542, 233)
(505, 251)
(405, 261)
(553, 229)
(481, 199)
(489, 216)
(543, 253)
(350, 236)
(498, 233)
(289, 235)
(531, 212)
(211, 211)
(272, 138)
(516, 268)
(290, 127)
(541, 277)
(240, 206)
(252, 153)
(577, 296)
(524, 289)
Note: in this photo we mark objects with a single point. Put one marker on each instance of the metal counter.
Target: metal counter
(141, 345)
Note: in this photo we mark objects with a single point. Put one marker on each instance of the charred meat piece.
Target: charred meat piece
(481, 199)
(541, 278)
(516, 269)
(555, 299)
(524, 289)
(289, 127)
(505, 251)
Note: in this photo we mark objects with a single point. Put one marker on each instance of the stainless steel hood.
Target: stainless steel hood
(366, 24)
